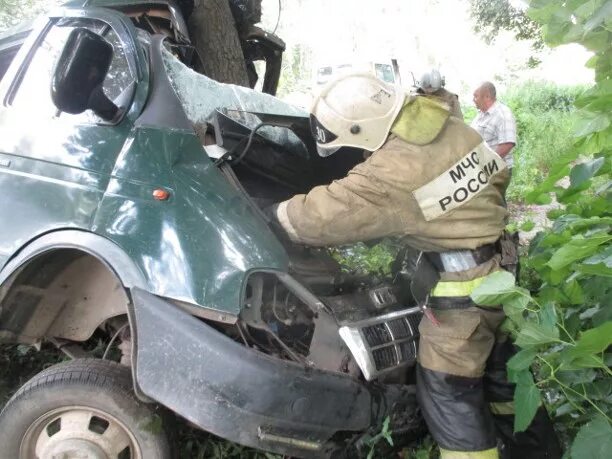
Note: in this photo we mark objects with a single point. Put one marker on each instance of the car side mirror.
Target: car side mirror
(79, 75)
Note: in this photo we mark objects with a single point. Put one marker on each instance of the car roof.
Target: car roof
(17, 35)
(105, 3)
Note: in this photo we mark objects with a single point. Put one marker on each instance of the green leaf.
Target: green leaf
(533, 334)
(581, 173)
(521, 361)
(498, 288)
(554, 176)
(386, 432)
(594, 341)
(528, 225)
(579, 363)
(604, 257)
(548, 316)
(589, 313)
(526, 401)
(514, 307)
(537, 197)
(590, 123)
(572, 377)
(593, 440)
(599, 18)
(597, 41)
(577, 248)
(564, 409)
(559, 276)
(599, 390)
(605, 314)
(574, 292)
(586, 352)
(572, 325)
(592, 62)
(595, 270)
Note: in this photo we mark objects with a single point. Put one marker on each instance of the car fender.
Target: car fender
(110, 254)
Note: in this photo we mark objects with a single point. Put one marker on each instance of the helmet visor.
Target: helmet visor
(326, 151)
(323, 137)
(320, 133)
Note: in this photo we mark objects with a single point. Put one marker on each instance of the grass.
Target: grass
(18, 363)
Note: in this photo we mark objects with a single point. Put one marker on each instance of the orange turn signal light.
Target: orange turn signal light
(160, 194)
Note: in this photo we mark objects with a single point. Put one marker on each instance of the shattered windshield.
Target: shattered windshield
(201, 97)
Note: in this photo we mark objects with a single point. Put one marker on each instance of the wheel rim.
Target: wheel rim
(79, 432)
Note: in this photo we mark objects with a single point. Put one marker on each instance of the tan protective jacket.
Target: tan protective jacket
(445, 195)
(449, 100)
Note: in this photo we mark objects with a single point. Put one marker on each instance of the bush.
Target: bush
(544, 117)
(563, 327)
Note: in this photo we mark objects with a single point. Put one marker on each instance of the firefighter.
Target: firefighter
(432, 182)
(432, 84)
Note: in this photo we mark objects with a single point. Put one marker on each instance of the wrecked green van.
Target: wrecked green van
(131, 197)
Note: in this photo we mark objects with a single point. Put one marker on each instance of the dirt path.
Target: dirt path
(521, 213)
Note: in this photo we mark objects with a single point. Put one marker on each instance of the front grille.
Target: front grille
(415, 320)
(376, 335)
(382, 344)
(400, 328)
(385, 357)
(408, 350)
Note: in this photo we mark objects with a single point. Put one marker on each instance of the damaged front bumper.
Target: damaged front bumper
(246, 396)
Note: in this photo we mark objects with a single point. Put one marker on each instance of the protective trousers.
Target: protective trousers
(463, 390)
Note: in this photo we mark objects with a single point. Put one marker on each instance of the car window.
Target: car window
(6, 57)
(35, 87)
(385, 72)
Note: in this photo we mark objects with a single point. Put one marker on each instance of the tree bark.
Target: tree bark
(214, 34)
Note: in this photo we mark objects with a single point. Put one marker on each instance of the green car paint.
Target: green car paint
(60, 173)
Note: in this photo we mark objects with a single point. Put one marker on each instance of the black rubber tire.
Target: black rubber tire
(93, 383)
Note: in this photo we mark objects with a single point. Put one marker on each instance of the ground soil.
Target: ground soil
(522, 213)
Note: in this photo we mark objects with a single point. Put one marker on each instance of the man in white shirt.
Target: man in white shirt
(494, 122)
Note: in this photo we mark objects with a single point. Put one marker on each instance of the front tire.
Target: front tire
(84, 408)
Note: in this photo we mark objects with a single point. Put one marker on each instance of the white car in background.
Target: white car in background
(387, 71)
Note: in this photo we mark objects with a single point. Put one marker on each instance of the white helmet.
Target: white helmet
(356, 110)
(431, 81)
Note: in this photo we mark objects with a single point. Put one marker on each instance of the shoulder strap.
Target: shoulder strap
(420, 120)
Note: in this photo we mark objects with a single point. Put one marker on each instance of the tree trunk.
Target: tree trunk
(214, 34)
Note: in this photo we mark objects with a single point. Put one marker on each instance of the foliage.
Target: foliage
(12, 12)
(492, 16)
(544, 114)
(366, 259)
(296, 64)
(196, 444)
(564, 329)
(18, 363)
(425, 449)
(384, 434)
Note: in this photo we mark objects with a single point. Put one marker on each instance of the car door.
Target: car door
(54, 166)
